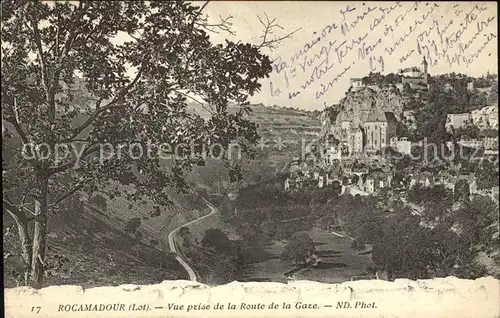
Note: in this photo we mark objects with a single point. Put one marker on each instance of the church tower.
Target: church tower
(424, 63)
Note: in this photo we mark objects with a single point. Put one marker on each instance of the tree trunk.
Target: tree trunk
(26, 250)
(40, 233)
(24, 238)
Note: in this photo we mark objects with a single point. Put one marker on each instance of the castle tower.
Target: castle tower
(424, 63)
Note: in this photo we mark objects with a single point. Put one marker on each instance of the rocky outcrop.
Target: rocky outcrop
(359, 104)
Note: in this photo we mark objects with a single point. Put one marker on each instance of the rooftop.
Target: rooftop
(410, 69)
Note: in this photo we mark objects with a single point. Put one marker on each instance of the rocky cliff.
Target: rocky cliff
(358, 104)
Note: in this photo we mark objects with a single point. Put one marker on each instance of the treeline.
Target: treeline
(445, 239)
(375, 78)
(448, 94)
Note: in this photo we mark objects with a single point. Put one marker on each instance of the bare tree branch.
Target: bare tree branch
(41, 57)
(197, 101)
(199, 12)
(225, 25)
(76, 188)
(26, 191)
(18, 128)
(270, 27)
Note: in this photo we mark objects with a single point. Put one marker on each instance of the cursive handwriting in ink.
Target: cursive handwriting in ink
(344, 48)
(367, 49)
(345, 11)
(480, 27)
(377, 60)
(408, 54)
(457, 58)
(323, 53)
(402, 16)
(413, 26)
(348, 27)
(274, 92)
(385, 12)
(325, 88)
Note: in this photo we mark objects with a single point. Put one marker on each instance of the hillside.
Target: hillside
(100, 241)
(284, 133)
(108, 242)
(103, 241)
(273, 119)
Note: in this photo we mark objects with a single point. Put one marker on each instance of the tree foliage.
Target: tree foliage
(215, 239)
(298, 249)
(85, 74)
(132, 225)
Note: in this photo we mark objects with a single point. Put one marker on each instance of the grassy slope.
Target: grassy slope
(97, 249)
(100, 252)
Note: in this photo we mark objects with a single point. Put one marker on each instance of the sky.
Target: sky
(340, 40)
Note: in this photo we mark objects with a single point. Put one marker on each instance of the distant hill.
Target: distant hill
(284, 133)
(272, 118)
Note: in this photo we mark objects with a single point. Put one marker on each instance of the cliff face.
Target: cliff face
(358, 104)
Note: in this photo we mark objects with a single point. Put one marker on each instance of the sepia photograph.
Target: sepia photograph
(316, 144)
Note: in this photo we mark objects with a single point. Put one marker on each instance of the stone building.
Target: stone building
(454, 121)
(379, 128)
(355, 142)
(402, 145)
(372, 134)
(356, 83)
(414, 77)
(486, 117)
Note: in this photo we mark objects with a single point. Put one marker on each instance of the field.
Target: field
(339, 261)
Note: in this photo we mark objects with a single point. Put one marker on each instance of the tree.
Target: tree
(420, 194)
(68, 85)
(268, 227)
(132, 225)
(215, 239)
(358, 246)
(298, 249)
(462, 190)
(487, 174)
(402, 251)
(99, 201)
(493, 96)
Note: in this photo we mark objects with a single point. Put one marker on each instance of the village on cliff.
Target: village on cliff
(382, 137)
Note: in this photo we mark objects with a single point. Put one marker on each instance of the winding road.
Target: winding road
(180, 258)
